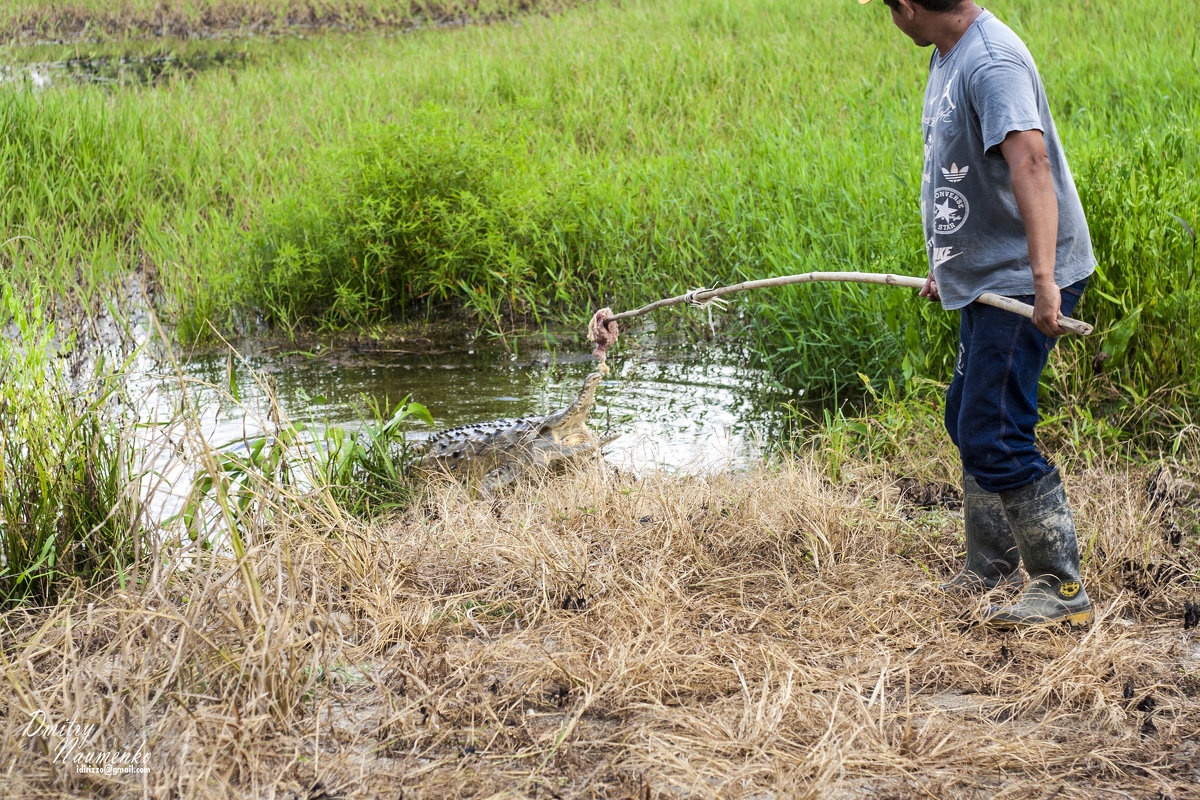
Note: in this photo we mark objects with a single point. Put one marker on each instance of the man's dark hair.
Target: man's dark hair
(932, 5)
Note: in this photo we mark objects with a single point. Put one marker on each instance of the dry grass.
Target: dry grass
(763, 635)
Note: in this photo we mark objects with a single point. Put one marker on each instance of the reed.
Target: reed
(604, 155)
(609, 155)
(70, 510)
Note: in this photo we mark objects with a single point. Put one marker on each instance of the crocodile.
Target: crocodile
(498, 452)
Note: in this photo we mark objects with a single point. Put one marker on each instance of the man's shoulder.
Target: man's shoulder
(996, 42)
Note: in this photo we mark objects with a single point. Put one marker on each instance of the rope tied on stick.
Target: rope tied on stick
(707, 304)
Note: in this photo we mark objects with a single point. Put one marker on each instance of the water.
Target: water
(164, 58)
(696, 407)
(678, 408)
(127, 65)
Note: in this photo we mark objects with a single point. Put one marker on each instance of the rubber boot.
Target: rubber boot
(1041, 521)
(992, 555)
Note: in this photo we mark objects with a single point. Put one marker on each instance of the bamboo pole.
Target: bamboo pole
(701, 296)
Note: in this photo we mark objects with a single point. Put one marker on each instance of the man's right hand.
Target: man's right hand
(930, 290)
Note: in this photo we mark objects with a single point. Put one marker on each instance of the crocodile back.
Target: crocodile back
(475, 443)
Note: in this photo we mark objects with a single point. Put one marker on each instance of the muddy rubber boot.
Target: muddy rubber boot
(992, 555)
(1041, 521)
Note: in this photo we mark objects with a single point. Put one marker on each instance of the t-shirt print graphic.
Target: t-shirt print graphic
(945, 105)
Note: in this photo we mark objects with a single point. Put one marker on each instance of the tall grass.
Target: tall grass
(607, 156)
(764, 632)
(703, 144)
(361, 473)
(69, 504)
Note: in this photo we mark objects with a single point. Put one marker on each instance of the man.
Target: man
(1001, 214)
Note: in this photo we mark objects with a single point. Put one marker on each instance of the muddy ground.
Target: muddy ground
(69, 22)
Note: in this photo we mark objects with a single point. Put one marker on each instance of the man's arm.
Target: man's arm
(1033, 185)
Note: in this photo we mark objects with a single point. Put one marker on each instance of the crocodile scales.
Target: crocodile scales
(496, 453)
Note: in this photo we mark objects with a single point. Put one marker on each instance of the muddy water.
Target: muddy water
(159, 59)
(119, 69)
(697, 407)
(122, 64)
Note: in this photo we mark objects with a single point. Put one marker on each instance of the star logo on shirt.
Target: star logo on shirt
(950, 210)
(945, 212)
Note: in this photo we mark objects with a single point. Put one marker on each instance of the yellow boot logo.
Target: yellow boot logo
(1069, 589)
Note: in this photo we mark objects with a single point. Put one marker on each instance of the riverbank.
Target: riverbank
(24, 22)
(595, 635)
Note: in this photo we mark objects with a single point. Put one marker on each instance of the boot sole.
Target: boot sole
(1081, 619)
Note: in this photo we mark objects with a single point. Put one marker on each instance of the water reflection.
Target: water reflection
(689, 409)
(122, 70)
(677, 408)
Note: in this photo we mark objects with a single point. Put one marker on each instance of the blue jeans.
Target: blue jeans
(991, 405)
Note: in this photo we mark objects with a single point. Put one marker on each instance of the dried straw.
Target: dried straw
(761, 635)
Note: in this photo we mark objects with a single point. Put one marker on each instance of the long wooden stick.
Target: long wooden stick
(989, 299)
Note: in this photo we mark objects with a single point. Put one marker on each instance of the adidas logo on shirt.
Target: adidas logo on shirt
(954, 174)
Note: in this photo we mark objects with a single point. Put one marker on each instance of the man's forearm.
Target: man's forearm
(1033, 187)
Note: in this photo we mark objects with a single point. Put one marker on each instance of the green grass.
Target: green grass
(69, 508)
(610, 155)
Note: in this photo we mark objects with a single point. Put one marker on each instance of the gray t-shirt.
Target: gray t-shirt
(978, 93)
